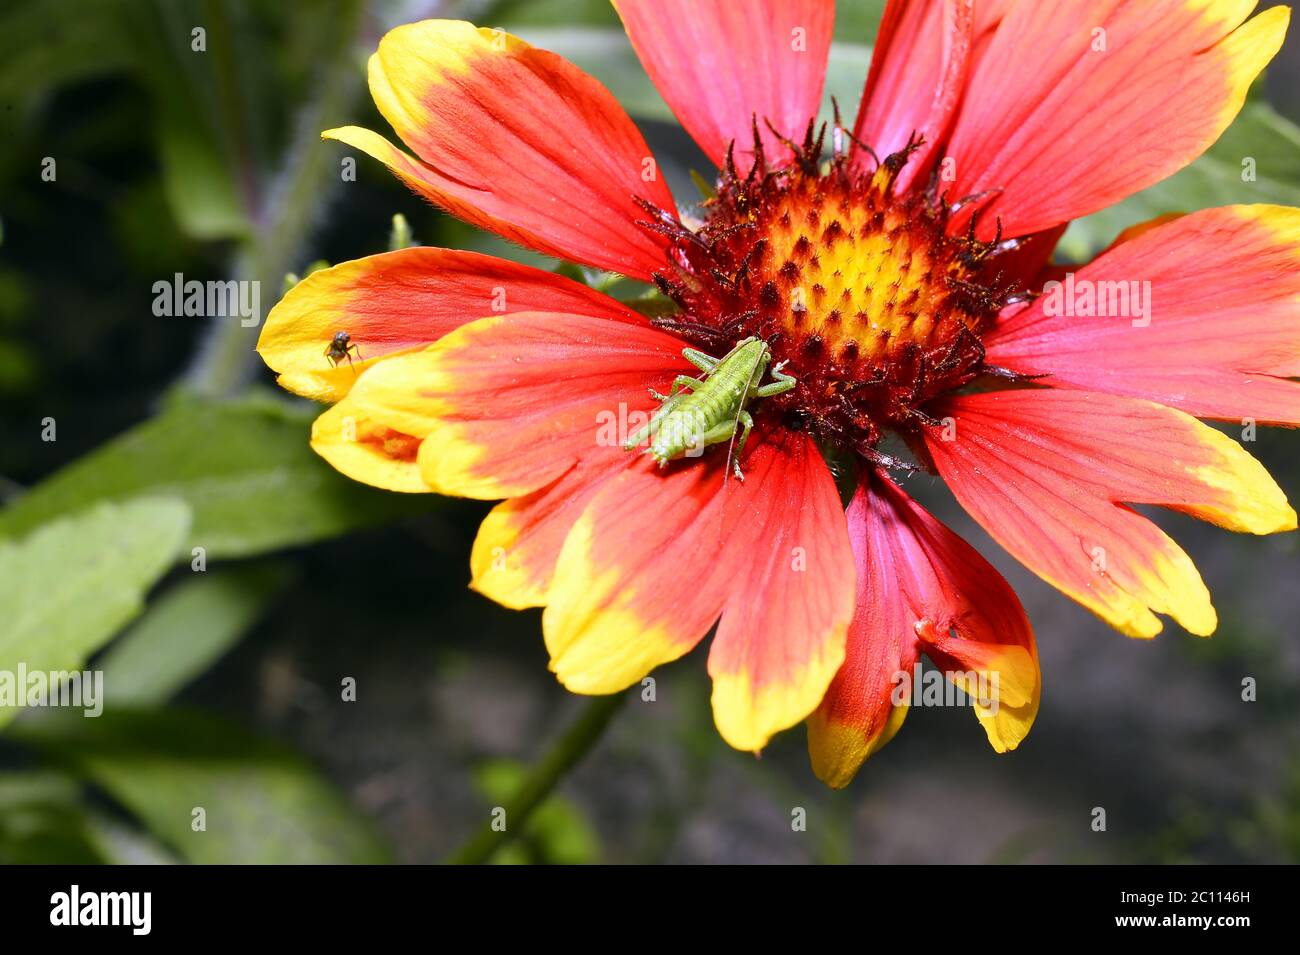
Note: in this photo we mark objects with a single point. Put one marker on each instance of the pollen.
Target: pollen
(874, 307)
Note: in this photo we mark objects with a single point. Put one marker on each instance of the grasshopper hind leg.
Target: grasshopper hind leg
(648, 429)
(700, 360)
(746, 421)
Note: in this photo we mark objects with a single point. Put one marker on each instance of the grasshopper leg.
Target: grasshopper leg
(649, 427)
(725, 432)
(717, 434)
(779, 385)
(746, 425)
(700, 360)
(679, 383)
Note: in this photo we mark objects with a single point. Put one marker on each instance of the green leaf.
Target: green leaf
(42, 821)
(244, 467)
(72, 584)
(204, 123)
(859, 22)
(1259, 133)
(46, 819)
(196, 176)
(121, 843)
(185, 632)
(261, 803)
(45, 45)
(846, 74)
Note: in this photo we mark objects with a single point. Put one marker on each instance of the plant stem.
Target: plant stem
(292, 202)
(567, 752)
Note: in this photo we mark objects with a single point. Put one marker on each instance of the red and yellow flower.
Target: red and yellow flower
(891, 279)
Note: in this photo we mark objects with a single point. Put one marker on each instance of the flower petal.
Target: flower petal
(917, 584)
(1219, 336)
(1002, 679)
(782, 634)
(719, 65)
(516, 140)
(642, 575)
(1048, 472)
(367, 451)
(519, 542)
(918, 71)
(508, 404)
(1074, 105)
(399, 301)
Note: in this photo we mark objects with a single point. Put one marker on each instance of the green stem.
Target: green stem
(226, 360)
(567, 752)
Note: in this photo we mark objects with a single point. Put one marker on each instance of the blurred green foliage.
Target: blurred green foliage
(555, 833)
(74, 582)
(206, 788)
(147, 665)
(243, 467)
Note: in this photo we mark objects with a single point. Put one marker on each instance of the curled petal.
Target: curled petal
(642, 576)
(519, 542)
(920, 588)
(367, 451)
(918, 71)
(657, 555)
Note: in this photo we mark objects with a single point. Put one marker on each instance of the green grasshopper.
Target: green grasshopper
(699, 412)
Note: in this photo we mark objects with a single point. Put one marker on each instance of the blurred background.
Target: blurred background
(128, 439)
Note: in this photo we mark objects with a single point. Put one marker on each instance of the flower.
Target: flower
(891, 281)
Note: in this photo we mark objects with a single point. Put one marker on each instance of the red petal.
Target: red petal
(918, 70)
(519, 542)
(507, 405)
(403, 300)
(782, 635)
(1064, 128)
(917, 582)
(516, 140)
(642, 575)
(656, 555)
(719, 65)
(1047, 473)
(1217, 333)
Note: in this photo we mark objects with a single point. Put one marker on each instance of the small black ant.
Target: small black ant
(340, 347)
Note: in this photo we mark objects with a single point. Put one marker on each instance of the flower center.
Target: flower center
(872, 305)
